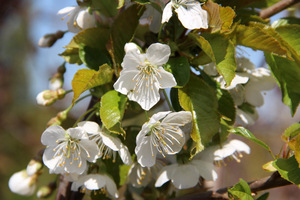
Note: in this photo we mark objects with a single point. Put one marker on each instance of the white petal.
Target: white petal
(141, 135)
(240, 146)
(125, 82)
(132, 60)
(111, 187)
(76, 166)
(167, 13)
(94, 181)
(85, 20)
(52, 134)
(125, 155)
(246, 118)
(206, 169)
(66, 10)
(89, 127)
(90, 148)
(131, 47)
(158, 54)
(113, 143)
(146, 154)
(238, 79)
(49, 161)
(194, 17)
(162, 178)
(158, 116)
(185, 176)
(166, 79)
(77, 133)
(72, 24)
(182, 117)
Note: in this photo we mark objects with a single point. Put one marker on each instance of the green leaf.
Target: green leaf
(123, 29)
(241, 191)
(85, 79)
(287, 74)
(241, 131)
(124, 169)
(88, 47)
(292, 131)
(107, 8)
(112, 109)
(180, 68)
(71, 56)
(263, 196)
(221, 51)
(175, 100)
(259, 39)
(288, 169)
(201, 100)
(285, 21)
(226, 106)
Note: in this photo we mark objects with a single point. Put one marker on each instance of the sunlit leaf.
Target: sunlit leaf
(85, 79)
(221, 51)
(240, 191)
(201, 100)
(112, 108)
(71, 55)
(247, 134)
(288, 169)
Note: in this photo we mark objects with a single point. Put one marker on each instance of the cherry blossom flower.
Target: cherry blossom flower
(93, 182)
(186, 175)
(143, 75)
(22, 184)
(68, 151)
(161, 134)
(189, 12)
(107, 144)
(141, 176)
(79, 18)
(229, 150)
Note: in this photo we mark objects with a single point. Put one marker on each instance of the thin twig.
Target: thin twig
(272, 181)
(276, 8)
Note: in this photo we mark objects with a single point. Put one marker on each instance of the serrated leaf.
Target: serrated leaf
(180, 69)
(288, 169)
(221, 51)
(285, 21)
(259, 39)
(241, 191)
(124, 28)
(201, 100)
(292, 131)
(112, 109)
(226, 106)
(85, 79)
(71, 56)
(241, 131)
(107, 8)
(287, 74)
(219, 17)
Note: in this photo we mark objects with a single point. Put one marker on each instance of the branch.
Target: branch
(276, 8)
(273, 181)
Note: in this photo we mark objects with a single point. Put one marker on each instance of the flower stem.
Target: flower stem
(146, 114)
(82, 116)
(168, 100)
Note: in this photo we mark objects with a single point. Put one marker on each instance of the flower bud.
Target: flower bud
(46, 191)
(34, 167)
(59, 118)
(48, 97)
(57, 80)
(49, 39)
(22, 184)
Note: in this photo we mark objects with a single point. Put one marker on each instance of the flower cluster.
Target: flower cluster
(246, 88)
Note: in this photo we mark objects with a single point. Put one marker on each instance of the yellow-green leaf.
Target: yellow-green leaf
(199, 98)
(85, 79)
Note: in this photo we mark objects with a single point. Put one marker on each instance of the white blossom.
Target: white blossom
(79, 18)
(68, 151)
(162, 134)
(107, 144)
(141, 176)
(189, 12)
(143, 75)
(229, 150)
(186, 175)
(93, 182)
(22, 184)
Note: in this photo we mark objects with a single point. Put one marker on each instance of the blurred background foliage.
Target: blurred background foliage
(22, 121)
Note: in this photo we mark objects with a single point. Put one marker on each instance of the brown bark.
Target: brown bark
(276, 8)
